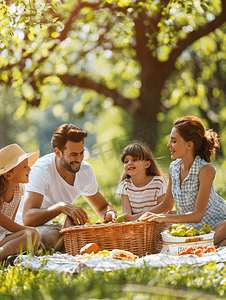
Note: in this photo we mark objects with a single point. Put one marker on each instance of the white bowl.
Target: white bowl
(166, 237)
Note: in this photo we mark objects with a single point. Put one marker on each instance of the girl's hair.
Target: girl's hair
(3, 186)
(192, 129)
(140, 152)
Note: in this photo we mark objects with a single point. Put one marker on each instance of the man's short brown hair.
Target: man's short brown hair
(67, 132)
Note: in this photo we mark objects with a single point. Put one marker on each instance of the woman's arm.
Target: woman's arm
(206, 176)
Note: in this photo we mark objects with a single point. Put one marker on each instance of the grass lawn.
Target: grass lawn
(207, 282)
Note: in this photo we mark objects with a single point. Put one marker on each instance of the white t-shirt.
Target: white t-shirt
(142, 198)
(45, 179)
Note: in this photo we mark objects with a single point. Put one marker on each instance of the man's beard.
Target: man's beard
(67, 166)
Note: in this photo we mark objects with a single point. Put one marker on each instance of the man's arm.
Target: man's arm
(34, 215)
(101, 206)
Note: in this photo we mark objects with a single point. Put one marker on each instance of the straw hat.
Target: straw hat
(13, 155)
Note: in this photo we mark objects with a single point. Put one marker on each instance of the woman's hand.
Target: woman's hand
(146, 216)
(151, 217)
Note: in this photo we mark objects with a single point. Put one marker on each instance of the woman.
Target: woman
(191, 179)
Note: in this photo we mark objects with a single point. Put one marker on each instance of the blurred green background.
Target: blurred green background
(108, 134)
(120, 70)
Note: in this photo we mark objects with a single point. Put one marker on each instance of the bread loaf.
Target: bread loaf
(90, 248)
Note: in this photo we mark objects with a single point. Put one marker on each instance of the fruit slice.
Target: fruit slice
(120, 219)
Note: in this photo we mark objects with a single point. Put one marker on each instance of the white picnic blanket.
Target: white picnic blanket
(66, 263)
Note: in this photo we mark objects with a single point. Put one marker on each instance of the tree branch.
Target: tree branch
(153, 21)
(197, 34)
(65, 31)
(87, 83)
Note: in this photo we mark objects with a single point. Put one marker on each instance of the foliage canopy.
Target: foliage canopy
(121, 51)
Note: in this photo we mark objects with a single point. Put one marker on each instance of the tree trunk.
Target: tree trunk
(145, 130)
(145, 123)
(153, 76)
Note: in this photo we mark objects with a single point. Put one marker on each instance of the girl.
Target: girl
(14, 173)
(142, 185)
(191, 179)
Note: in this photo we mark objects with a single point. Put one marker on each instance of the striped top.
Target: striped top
(185, 195)
(8, 209)
(142, 198)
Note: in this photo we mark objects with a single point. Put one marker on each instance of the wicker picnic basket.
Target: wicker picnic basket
(140, 238)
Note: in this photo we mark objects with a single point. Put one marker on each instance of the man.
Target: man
(56, 180)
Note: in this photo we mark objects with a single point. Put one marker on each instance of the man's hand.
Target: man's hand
(68, 222)
(110, 215)
(77, 213)
(104, 210)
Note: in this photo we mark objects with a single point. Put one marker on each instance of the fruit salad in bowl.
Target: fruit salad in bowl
(180, 233)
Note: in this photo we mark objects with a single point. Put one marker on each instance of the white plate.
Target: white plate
(166, 237)
(174, 249)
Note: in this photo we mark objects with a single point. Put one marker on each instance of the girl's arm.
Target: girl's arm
(9, 224)
(127, 210)
(160, 198)
(206, 177)
(126, 207)
(165, 205)
(166, 201)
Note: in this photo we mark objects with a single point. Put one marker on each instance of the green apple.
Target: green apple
(169, 228)
(173, 232)
(120, 219)
(206, 228)
(181, 232)
(183, 227)
(194, 231)
(189, 233)
(202, 232)
(174, 226)
(197, 232)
